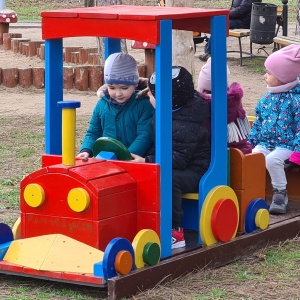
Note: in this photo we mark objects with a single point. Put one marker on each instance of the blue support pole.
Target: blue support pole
(163, 143)
(53, 94)
(111, 46)
(217, 173)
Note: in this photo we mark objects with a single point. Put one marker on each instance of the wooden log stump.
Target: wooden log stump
(142, 70)
(84, 54)
(4, 27)
(38, 77)
(42, 52)
(33, 46)
(75, 57)
(7, 39)
(81, 75)
(24, 48)
(68, 53)
(68, 77)
(15, 42)
(149, 62)
(95, 77)
(25, 77)
(93, 59)
(10, 77)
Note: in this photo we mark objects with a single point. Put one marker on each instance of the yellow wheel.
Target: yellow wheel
(17, 229)
(216, 194)
(142, 238)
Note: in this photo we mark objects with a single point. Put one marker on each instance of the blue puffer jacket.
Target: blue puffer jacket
(129, 123)
(277, 121)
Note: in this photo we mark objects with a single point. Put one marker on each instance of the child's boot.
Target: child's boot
(279, 202)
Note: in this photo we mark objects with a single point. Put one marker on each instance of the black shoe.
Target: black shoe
(204, 57)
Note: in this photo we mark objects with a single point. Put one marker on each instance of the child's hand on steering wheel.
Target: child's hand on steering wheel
(137, 158)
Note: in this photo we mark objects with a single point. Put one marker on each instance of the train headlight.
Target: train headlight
(78, 199)
(34, 195)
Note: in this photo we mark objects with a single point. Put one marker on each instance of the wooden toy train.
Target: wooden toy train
(108, 222)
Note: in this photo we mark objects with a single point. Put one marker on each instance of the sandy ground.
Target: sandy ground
(31, 101)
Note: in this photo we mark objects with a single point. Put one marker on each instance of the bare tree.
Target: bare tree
(182, 41)
(89, 3)
(298, 19)
(100, 40)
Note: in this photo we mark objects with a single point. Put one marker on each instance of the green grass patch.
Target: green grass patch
(25, 292)
(9, 195)
(255, 65)
(214, 294)
(29, 10)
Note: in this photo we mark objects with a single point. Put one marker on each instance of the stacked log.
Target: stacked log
(84, 54)
(23, 48)
(81, 76)
(10, 77)
(68, 77)
(33, 46)
(142, 69)
(38, 77)
(68, 53)
(93, 59)
(15, 42)
(7, 39)
(75, 57)
(41, 52)
(95, 77)
(25, 77)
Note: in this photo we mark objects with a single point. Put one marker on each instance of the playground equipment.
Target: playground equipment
(107, 223)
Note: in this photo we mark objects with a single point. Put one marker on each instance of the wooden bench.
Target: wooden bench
(247, 182)
(282, 41)
(239, 34)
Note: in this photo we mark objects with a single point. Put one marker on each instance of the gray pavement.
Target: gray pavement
(26, 24)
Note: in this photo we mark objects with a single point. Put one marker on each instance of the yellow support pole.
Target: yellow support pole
(68, 131)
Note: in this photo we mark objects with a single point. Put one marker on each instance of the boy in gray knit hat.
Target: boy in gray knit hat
(119, 114)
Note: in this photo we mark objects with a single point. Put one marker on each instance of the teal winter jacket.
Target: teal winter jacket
(129, 123)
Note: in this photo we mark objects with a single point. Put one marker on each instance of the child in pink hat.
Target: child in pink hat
(237, 121)
(276, 130)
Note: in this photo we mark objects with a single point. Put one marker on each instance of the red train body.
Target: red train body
(124, 198)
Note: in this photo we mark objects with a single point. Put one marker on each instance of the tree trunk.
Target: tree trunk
(100, 40)
(89, 3)
(298, 19)
(182, 41)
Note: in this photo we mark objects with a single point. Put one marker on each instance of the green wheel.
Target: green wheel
(111, 145)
